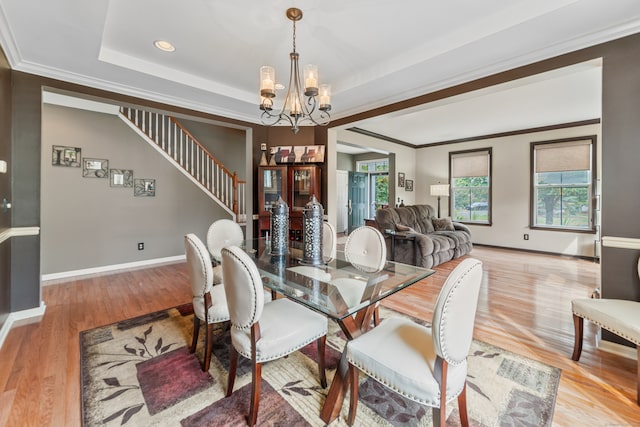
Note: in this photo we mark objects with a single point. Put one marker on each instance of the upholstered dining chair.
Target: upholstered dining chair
(425, 364)
(263, 332)
(329, 242)
(221, 233)
(209, 302)
(366, 250)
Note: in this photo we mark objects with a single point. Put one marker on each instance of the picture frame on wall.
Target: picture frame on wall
(95, 168)
(408, 185)
(144, 187)
(65, 156)
(400, 179)
(121, 178)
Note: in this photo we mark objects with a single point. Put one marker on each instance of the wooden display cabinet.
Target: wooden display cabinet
(296, 185)
(272, 183)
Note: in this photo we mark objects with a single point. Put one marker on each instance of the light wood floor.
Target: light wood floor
(524, 307)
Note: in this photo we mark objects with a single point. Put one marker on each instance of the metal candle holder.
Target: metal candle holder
(279, 227)
(312, 216)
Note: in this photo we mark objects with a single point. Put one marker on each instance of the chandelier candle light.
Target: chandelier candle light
(296, 109)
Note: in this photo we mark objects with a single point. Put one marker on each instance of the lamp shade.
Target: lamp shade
(440, 190)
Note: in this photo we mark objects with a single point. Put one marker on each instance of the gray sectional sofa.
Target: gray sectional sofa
(415, 236)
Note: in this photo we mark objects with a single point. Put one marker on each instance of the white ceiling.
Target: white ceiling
(373, 53)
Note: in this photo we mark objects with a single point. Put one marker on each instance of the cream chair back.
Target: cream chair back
(455, 311)
(223, 232)
(243, 287)
(329, 242)
(200, 271)
(365, 249)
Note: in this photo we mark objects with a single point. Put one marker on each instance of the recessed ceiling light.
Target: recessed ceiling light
(164, 45)
(279, 86)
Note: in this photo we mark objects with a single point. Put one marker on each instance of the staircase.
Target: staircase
(176, 144)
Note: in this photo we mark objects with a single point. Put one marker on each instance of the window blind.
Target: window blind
(470, 164)
(563, 156)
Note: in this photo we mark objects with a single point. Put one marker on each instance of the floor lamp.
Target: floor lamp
(440, 190)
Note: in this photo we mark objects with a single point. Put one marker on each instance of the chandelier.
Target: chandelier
(303, 104)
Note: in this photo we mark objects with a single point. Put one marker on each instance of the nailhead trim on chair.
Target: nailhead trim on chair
(255, 300)
(201, 258)
(609, 328)
(444, 310)
(435, 403)
(284, 353)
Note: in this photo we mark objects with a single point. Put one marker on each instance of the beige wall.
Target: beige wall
(510, 191)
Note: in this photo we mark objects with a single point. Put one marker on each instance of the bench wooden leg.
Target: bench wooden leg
(578, 323)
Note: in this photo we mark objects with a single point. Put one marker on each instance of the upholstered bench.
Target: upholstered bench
(620, 317)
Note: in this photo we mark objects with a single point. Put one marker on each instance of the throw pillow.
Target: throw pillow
(401, 227)
(443, 224)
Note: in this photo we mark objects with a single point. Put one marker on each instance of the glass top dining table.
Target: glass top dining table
(339, 288)
(343, 290)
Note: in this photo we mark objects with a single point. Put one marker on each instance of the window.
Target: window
(378, 183)
(562, 189)
(470, 177)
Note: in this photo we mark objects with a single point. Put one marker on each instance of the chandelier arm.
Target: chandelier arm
(299, 110)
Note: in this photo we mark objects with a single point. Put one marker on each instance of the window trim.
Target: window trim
(489, 151)
(532, 185)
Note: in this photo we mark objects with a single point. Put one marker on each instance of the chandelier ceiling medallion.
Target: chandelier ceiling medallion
(313, 108)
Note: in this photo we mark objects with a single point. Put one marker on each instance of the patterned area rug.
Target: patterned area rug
(139, 372)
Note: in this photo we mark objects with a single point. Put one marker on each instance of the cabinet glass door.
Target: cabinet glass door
(272, 180)
(302, 188)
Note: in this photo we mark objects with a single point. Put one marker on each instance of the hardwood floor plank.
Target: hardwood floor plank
(524, 307)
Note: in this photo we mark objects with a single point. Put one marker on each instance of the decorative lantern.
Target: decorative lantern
(312, 215)
(279, 227)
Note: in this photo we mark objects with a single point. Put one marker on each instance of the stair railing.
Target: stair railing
(177, 144)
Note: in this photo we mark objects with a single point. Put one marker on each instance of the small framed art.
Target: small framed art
(144, 187)
(95, 168)
(400, 179)
(121, 178)
(65, 156)
(408, 185)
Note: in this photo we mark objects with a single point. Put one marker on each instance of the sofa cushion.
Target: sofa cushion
(442, 224)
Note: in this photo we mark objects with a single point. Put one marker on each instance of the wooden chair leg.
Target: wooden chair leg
(442, 412)
(638, 391)
(321, 369)
(578, 325)
(376, 316)
(255, 393)
(208, 347)
(196, 331)
(233, 367)
(354, 374)
(462, 406)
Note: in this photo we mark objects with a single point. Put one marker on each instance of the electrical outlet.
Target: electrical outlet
(526, 237)
(140, 246)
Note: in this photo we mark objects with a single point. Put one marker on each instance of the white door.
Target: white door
(342, 196)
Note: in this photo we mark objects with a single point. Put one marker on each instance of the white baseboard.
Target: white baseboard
(111, 268)
(21, 318)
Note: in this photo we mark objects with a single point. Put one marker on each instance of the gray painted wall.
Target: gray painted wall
(86, 223)
(5, 187)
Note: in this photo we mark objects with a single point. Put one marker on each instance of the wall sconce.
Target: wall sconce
(440, 190)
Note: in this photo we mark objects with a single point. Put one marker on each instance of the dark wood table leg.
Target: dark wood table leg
(352, 327)
(333, 404)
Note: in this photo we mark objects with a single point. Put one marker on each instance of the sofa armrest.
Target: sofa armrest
(408, 248)
(462, 227)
